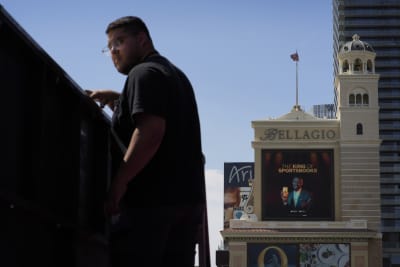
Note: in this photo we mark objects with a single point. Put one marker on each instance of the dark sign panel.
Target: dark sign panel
(297, 184)
(238, 178)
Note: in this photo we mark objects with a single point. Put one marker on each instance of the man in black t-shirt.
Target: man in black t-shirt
(158, 189)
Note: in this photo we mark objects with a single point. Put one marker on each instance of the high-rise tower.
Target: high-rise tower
(378, 23)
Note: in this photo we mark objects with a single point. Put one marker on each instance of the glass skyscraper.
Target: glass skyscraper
(377, 22)
(324, 111)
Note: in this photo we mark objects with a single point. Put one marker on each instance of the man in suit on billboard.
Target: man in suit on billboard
(298, 198)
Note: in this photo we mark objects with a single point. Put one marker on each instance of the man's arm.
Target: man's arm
(308, 200)
(144, 143)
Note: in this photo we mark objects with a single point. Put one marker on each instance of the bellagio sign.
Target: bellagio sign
(271, 134)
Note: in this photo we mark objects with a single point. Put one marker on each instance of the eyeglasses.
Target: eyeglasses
(113, 45)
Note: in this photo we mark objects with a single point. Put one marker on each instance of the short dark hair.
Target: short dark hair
(131, 24)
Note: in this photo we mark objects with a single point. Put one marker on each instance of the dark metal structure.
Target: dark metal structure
(55, 166)
(55, 163)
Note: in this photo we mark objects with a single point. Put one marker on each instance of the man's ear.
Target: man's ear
(142, 37)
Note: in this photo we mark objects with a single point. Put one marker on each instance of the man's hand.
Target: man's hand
(104, 97)
(117, 191)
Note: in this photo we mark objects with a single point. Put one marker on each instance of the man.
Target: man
(158, 189)
(231, 202)
(298, 199)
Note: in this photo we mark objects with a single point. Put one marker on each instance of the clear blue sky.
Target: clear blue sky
(236, 54)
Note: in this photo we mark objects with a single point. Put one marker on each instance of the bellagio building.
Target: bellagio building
(316, 191)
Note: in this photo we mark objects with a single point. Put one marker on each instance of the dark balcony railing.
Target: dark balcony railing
(55, 165)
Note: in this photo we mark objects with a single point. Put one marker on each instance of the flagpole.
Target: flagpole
(295, 58)
(297, 85)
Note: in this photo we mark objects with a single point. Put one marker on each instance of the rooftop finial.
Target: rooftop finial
(356, 37)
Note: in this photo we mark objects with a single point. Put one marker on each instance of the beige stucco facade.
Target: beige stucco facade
(354, 139)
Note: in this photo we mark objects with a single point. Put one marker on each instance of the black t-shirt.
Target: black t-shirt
(175, 175)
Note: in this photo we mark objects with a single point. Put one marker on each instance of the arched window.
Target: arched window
(358, 65)
(365, 100)
(358, 99)
(359, 129)
(345, 66)
(369, 65)
(352, 100)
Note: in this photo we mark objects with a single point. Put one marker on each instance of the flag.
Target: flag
(295, 56)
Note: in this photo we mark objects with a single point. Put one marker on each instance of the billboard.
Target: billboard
(282, 255)
(238, 178)
(293, 255)
(297, 184)
(324, 255)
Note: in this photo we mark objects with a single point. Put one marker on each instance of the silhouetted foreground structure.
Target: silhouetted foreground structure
(56, 164)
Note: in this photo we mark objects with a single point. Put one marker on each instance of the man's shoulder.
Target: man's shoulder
(157, 61)
(152, 65)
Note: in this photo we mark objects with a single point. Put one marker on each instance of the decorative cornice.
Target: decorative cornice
(273, 225)
(360, 143)
(295, 239)
(247, 231)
